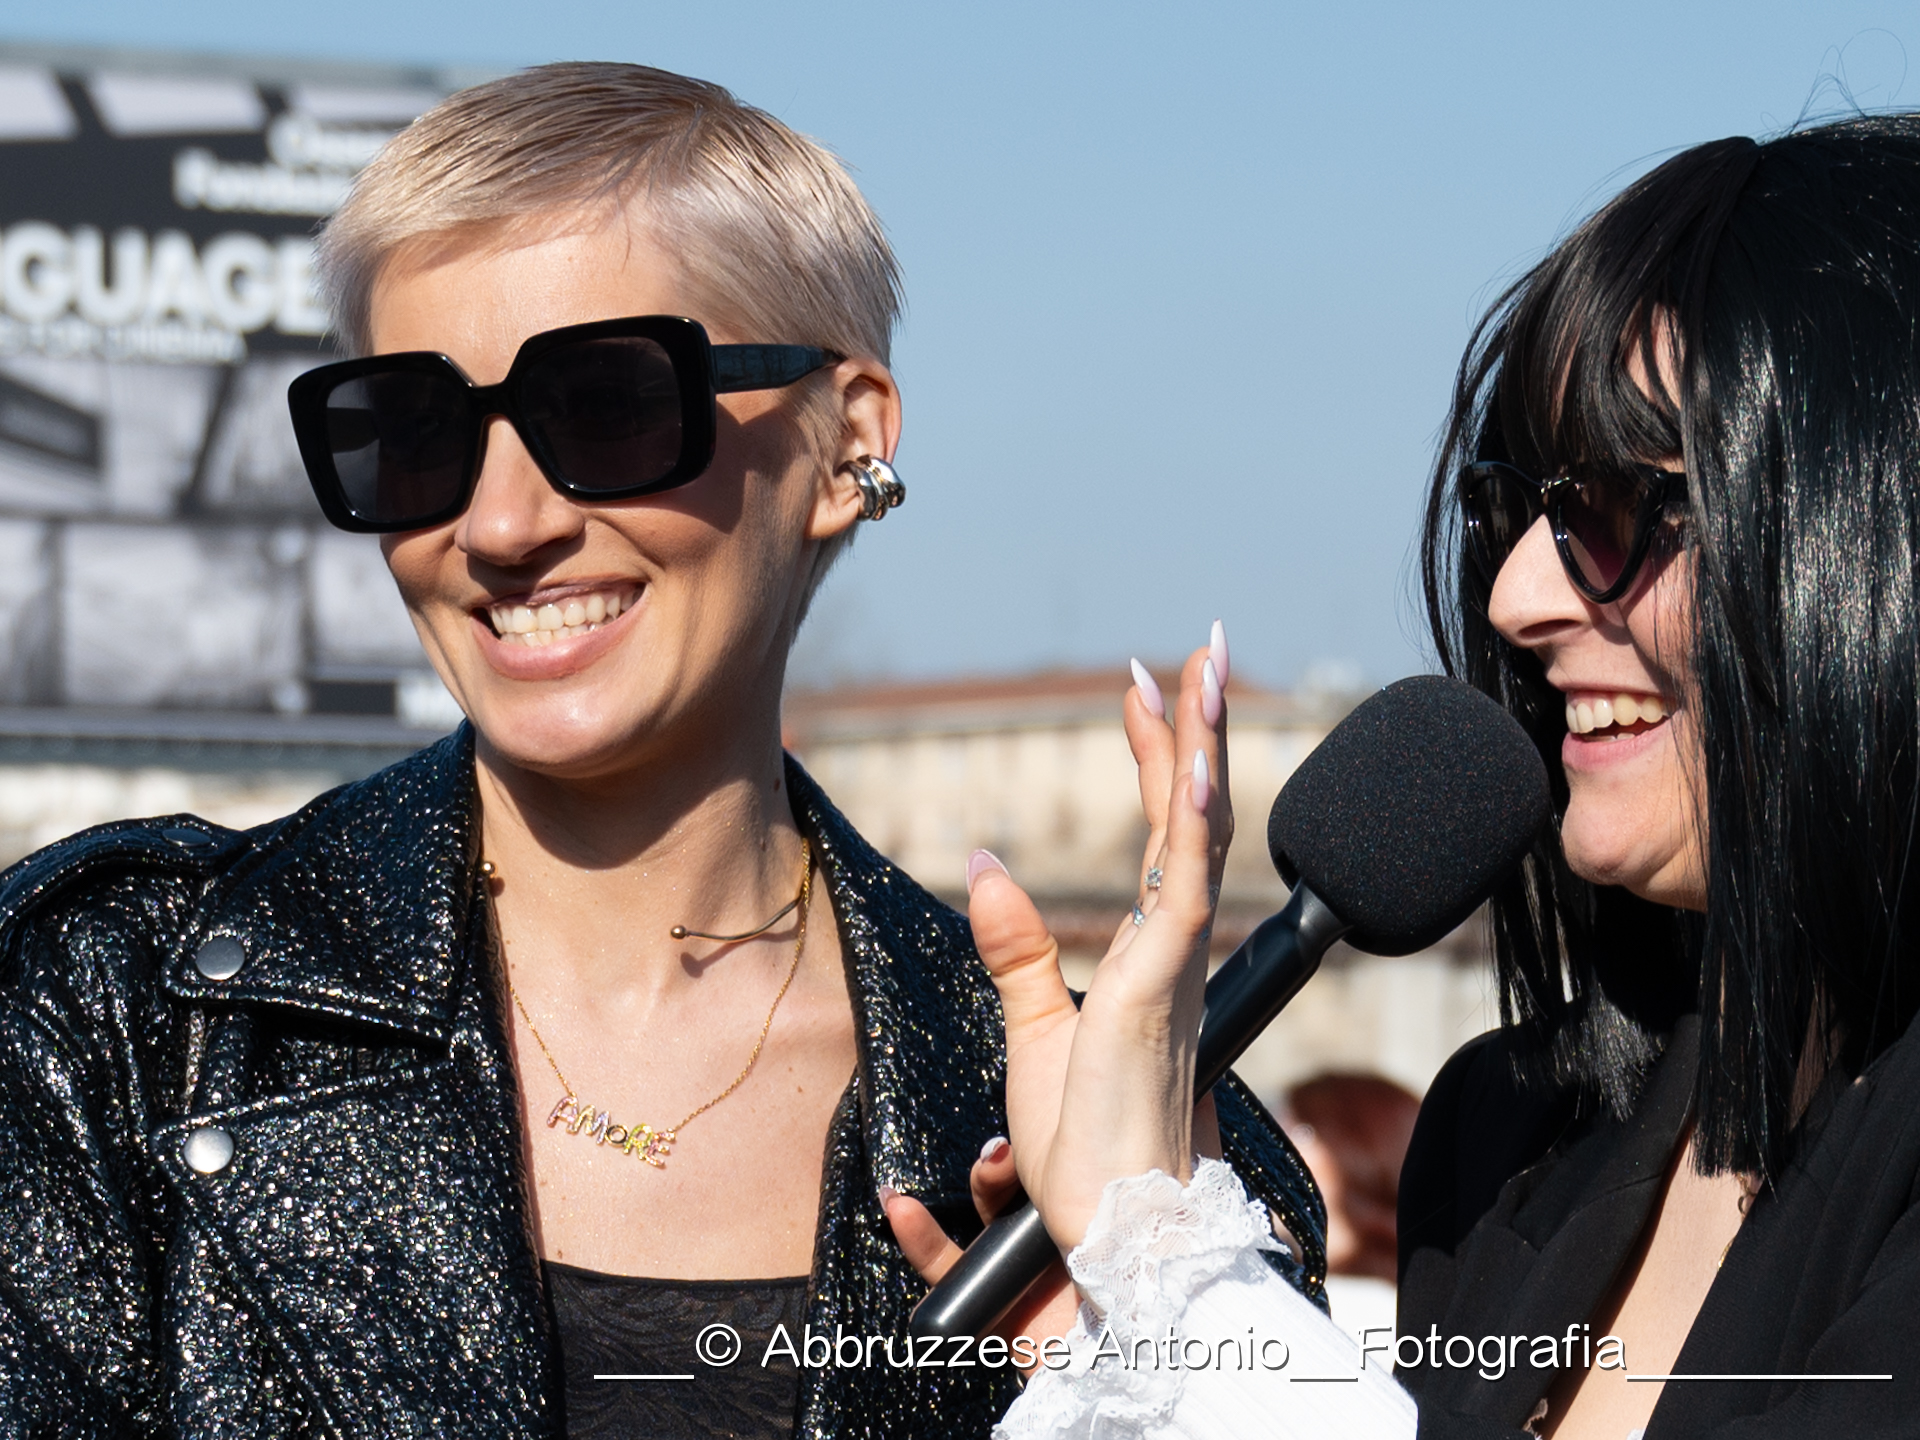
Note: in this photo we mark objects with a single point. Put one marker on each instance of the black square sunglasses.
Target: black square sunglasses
(1603, 522)
(608, 410)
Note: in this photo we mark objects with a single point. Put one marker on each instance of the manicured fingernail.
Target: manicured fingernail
(995, 1148)
(979, 863)
(1149, 690)
(886, 1195)
(1202, 784)
(1217, 651)
(1209, 692)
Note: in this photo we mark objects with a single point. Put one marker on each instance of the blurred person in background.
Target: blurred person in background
(1352, 1130)
(593, 1029)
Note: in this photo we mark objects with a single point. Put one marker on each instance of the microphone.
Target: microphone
(1390, 834)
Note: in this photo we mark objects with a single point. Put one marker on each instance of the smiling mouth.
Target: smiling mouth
(1614, 717)
(559, 618)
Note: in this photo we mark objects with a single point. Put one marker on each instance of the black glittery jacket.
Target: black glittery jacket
(292, 1201)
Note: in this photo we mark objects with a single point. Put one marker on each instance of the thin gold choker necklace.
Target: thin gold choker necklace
(649, 1144)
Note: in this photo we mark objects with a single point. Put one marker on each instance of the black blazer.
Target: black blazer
(362, 1264)
(1517, 1214)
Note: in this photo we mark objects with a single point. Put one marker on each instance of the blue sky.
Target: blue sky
(1186, 285)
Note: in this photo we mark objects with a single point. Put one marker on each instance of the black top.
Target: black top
(716, 1332)
(1517, 1215)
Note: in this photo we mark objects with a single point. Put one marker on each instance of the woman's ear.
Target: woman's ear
(869, 415)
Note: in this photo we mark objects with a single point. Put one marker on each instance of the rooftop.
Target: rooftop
(1038, 700)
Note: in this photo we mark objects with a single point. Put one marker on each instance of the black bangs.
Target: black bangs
(1786, 279)
(1571, 345)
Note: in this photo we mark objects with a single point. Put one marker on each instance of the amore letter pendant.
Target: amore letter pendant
(649, 1144)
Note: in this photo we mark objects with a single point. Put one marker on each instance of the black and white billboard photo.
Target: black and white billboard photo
(159, 545)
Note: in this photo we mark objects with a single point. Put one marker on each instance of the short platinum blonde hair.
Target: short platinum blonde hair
(772, 236)
(769, 229)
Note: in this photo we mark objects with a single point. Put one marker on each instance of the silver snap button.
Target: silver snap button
(220, 959)
(208, 1150)
(186, 838)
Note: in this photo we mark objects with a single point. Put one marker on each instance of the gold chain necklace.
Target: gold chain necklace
(649, 1144)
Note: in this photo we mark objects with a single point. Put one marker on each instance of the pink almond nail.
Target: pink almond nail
(1149, 689)
(979, 863)
(1210, 695)
(1217, 650)
(1202, 782)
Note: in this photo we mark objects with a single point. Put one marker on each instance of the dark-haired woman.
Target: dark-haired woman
(1699, 1129)
(1675, 528)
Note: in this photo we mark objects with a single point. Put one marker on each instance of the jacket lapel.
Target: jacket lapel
(372, 1218)
(355, 907)
(927, 1092)
(1543, 1260)
(926, 1015)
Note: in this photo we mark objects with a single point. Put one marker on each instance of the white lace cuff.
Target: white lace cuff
(1152, 1244)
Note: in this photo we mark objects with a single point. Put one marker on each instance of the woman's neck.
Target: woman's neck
(592, 875)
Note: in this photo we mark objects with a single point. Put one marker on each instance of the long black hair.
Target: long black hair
(1789, 274)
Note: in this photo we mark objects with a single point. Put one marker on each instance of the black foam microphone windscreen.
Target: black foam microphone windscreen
(1404, 818)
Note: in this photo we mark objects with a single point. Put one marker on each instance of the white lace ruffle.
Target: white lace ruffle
(1151, 1245)
(1154, 1241)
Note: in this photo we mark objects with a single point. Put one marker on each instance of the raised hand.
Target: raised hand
(1105, 1090)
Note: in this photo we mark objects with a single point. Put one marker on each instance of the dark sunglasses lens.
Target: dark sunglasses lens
(607, 411)
(399, 444)
(1499, 505)
(1600, 516)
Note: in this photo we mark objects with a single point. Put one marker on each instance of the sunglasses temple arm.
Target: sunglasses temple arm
(766, 367)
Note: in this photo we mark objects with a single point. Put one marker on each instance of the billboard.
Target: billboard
(159, 547)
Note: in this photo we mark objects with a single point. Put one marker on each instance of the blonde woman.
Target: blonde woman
(586, 1039)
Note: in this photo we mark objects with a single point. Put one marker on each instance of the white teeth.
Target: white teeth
(1586, 716)
(561, 620)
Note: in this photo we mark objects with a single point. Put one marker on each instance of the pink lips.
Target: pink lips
(1582, 752)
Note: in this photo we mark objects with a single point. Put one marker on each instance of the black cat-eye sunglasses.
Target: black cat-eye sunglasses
(1603, 522)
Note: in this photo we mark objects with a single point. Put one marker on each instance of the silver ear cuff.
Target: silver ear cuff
(880, 487)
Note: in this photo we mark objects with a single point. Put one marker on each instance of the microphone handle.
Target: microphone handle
(989, 1277)
(1244, 995)
(1260, 979)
